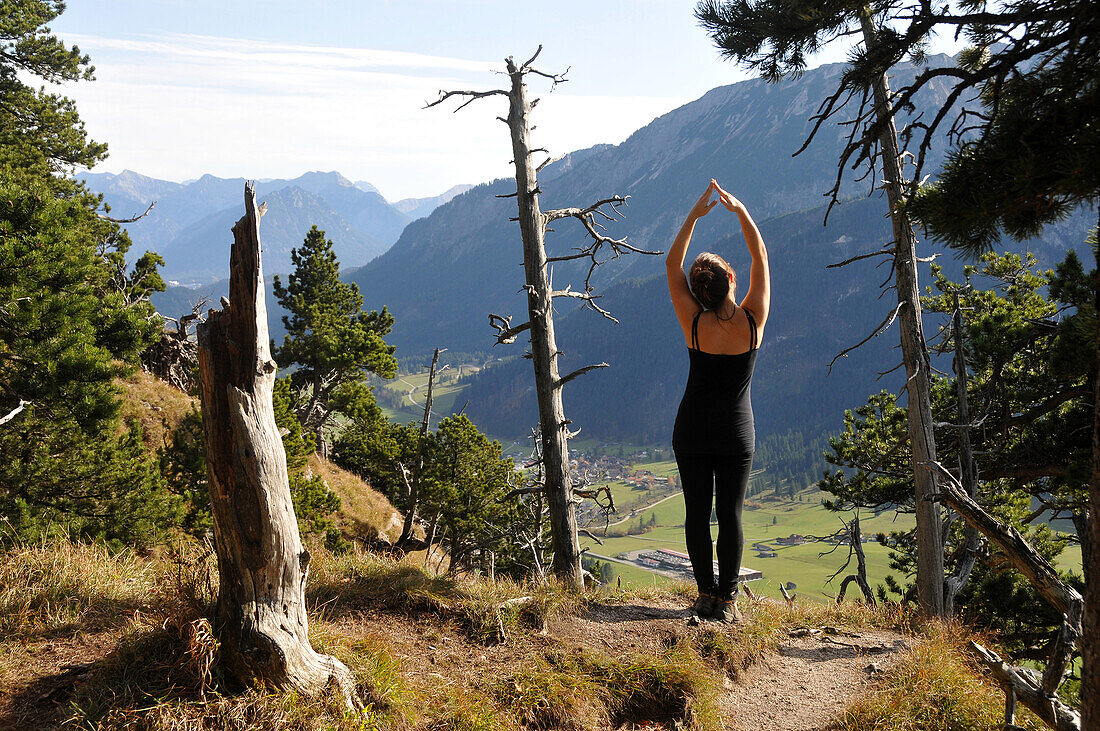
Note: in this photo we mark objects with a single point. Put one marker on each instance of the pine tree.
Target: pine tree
(330, 340)
(40, 132)
(466, 480)
(66, 333)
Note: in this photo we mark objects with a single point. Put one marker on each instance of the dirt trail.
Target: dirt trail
(811, 681)
(806, 685)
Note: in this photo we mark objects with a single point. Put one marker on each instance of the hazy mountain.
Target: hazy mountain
(201, 251)
(420, 207)
(364, 210)
(189, 220)
(449, 270)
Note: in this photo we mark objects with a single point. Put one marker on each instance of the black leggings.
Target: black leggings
(721, 481)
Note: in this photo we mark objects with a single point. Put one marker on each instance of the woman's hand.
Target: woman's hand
(704, 204)
(732, 204)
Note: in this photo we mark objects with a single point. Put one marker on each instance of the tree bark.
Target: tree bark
(1024, 686)
(544, 349)
(1090, 549)
(968, 469)
(261, 613)
(930, 576)
(418, 464)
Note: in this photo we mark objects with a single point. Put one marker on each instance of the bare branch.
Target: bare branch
(883, 326)
(14, 412)
(846, 262)
(128, 220)
(546, 162)
(589, 534)
(525, 491)
(579, 372)
(506, 333)
(531, 60)
(473, 95)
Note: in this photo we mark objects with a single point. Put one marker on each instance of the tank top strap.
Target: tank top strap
(752, 329)
(695, 331)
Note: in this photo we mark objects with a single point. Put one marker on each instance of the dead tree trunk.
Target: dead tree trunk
(855, 540)
(418, 463)
(261, 612)
(968, 469)
(1090, 550)
(1021, 685)
(544, 347)
(914, 351)
(1039, 693)
(533, 222)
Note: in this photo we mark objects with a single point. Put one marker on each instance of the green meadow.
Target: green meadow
(444, 394)
(763, 522)
(766, 518)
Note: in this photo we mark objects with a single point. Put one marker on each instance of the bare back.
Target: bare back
(723, 337)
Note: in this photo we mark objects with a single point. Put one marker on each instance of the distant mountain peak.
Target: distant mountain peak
(332, 177)
(421, 207)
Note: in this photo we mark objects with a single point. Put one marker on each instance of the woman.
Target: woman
(714, 436)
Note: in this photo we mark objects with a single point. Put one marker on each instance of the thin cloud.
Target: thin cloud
(186, 46)
(178, 106)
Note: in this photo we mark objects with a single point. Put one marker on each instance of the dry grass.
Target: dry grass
(380, 616)
(938, 685)
(586, 689)
(357, 580)
(159, 407)
(57, 586)
(365, 514)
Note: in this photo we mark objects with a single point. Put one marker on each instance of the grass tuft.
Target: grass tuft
(488, 611)
(938, 685)
(585, 689)
(58, 586)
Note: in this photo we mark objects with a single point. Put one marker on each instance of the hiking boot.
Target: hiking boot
(704, 605)
(725, 610)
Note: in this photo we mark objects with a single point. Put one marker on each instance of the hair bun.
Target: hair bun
(709, 278)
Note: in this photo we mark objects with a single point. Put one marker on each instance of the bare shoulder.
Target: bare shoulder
(754, 321)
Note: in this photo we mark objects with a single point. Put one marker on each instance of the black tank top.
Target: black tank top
(715, 415)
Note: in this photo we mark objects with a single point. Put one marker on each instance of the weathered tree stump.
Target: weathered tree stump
(261, 614)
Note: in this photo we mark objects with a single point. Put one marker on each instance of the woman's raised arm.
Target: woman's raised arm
(682, 300)
(759, 297)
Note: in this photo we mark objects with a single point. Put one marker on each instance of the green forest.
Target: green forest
(207, 526)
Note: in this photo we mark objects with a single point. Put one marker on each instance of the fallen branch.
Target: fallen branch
(1025, 685)
(1019, 552)
(14, 412)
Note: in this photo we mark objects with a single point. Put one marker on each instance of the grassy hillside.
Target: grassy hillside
(365, 514)
(94, 639)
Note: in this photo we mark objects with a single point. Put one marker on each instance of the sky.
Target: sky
(239, 88)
